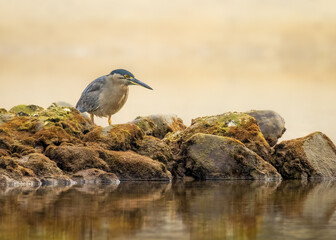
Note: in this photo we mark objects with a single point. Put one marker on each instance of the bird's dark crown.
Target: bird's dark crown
(122, 72)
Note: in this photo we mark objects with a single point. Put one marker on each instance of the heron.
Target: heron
(107, 94)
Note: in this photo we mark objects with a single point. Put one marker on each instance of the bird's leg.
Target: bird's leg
(92, 118)
(109, 120)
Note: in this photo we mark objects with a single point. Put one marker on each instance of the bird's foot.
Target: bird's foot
(92, 118)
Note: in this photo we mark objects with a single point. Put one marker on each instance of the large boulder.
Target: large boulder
(156, 149)
(131, 166)
(117, 137)
(33, 127)
(159, 125)
(313, 156)
(75, 158)
(271, 124)
(126, 165)
(239, 126)
(40, 165)
(26, 110)
(45, 169)
(214, 157)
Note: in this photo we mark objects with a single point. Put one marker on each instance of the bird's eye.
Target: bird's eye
(126, 76)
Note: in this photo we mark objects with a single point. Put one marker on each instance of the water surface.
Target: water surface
(155, 210)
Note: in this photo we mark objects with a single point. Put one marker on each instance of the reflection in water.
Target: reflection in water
(155, 210)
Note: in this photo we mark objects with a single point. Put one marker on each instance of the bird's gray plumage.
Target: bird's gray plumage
(107, 94)
(89, 100)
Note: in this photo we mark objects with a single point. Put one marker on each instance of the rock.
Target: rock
(40, 165)
(4, 153)
(6, 142)
(11, 168)
(34, 169)
(75, 158)
(240, 126)
(313, 156)
(131, 166)
(159, 125)
(5, 116)
(12, 174)
(174, 141)
(156, 149)
(214, 157)
(67, 118)
(64, 104)
(271, 124)
(126, 165)
(95, 176)
(40, 128)
(51, 136)
(26, 110)
(19, 150)
(117, 137)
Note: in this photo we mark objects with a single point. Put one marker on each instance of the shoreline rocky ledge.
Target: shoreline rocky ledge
(60, 146)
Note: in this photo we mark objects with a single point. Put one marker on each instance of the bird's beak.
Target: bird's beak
(135, 81)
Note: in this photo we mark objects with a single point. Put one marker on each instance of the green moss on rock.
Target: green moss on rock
(26, 110)
(239, 126)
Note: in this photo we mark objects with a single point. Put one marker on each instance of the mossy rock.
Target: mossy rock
(10, 168)
(214, 157)
(117, 137)
(26, 110)
(156, 149)
(53, 126)
(40, 165)
(75, 158)
(3, 110)
(159, 125)
(131, 166)
(239, 126)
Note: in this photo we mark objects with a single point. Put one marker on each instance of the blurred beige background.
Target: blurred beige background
(201, 57)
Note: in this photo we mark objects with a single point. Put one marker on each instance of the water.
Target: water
(155, 210)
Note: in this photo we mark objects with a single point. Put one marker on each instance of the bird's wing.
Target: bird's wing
(89, 101)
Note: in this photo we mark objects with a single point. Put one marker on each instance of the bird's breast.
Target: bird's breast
(112, 99)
